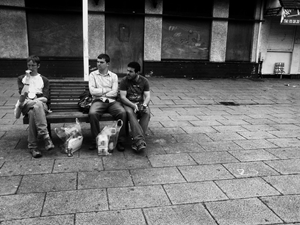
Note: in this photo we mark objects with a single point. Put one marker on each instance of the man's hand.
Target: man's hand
(136, 108)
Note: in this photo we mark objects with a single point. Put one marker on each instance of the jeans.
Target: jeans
(115, 108)
(138, 127)
(36, 111)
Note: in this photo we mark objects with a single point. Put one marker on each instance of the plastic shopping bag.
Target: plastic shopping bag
(107, 139)
(71, 136)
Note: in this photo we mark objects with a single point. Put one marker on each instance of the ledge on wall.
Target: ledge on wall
(201, 70)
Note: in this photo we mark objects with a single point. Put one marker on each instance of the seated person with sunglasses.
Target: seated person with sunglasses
(103, 86)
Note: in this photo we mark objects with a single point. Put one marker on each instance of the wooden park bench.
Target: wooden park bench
(64, 96)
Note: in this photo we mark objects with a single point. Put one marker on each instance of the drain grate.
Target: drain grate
(229, 103)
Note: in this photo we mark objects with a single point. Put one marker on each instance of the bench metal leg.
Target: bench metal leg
(49, 129)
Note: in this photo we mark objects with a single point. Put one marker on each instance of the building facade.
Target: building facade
(218, 39)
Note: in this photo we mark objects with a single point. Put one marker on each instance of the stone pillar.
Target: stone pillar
(96, 29)
(153, 31)
(219, 31)
(13, 31)
(263, 39)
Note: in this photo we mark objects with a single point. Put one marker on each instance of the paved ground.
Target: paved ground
(206, 163)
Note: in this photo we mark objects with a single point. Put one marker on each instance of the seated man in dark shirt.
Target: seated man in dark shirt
(135, 96)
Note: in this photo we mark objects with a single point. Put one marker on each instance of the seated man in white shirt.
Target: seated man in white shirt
(103, 86)
(34, 94)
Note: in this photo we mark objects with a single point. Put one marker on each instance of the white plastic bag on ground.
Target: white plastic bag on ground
(107, 139)
(72, 137)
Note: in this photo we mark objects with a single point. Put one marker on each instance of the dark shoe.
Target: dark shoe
(120, 147)
(48, 143)
(141, 147)
(35, 153)
(93, 146)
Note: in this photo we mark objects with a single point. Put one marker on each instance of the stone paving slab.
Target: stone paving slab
(255, 144)
(246, 188)
(213, 157)
(285, 134)
(252, 155)
(193, 130)
(220, 146)
(285, 127)
(183, 148)
(191, 138)
(194, 192)
(204, 172)
(153, 176)
(66, 202)
(286, 207)
(104, 179)
(21, 206)
(288, 166)
(127, 162)
(225, 136)
(77, 165)
(285, 142)
(50, 220)
(242, 211)
(230, 129)
(285, 153)
(250, 169)
(178, 215)
(48, 182)
(257, 135)
(9, 143)
(9, 154)
(162, 139)
(176, 124)
(26, 167)
(286, 184)
(9, 185)
(171, 160)
(259, 127)
(123, 217)
(166, 130)
(137, 197)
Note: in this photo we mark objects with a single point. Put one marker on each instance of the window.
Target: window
(55, 33)
(185, 39)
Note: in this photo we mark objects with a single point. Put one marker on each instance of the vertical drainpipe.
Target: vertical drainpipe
(85, 39)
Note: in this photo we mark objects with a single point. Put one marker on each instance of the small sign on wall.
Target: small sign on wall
(290, 17)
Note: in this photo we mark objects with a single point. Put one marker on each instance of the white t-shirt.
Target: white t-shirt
(36, 84)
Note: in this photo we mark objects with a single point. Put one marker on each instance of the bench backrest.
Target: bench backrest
(64, 94)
